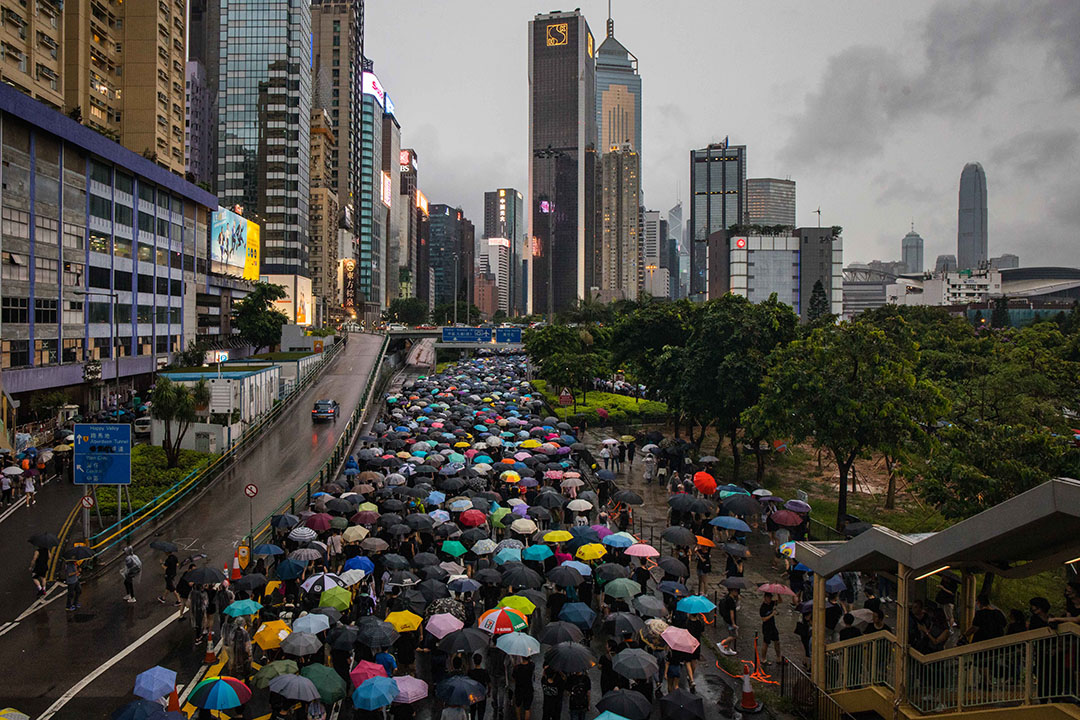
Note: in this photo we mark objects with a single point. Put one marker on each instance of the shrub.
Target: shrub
(151, 476)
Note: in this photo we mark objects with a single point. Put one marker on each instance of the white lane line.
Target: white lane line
(18, 504)
(103, 668)
(183, 691)
(41, 602)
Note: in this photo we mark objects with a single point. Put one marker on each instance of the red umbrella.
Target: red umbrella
(364, 670)
(786, 517)
(318, 522)
(472, 518)
(706, 483)
(364, 517)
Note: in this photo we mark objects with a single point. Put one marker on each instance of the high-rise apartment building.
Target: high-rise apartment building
(391, 172)
(564, 203)
(655, 278)
(911, 252)
(717, 180)
(33, 49)
(620, 265)
(263, 123)
(324, 212)
(770, 201)
(370, 206)
(971, 237)
(504, 217)
(200, 125)
(495, 262)
(124, 69)
(450, 253)
(406, 206)
(618, 94)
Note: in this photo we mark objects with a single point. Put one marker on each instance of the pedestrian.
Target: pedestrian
(523, 688)
(729, 605)
(130, 571)
(704, 566)
(183, 591)
(580, 689)
(649, 464)
(198, 601)
(240, 651)
(74, 588)
(551, 687)
(29, 489)
(605, 455)
(769, 633)
(631, 448)
(7, 486)
(39, 568)
(169, 565)
(620, 458)
(481, 675)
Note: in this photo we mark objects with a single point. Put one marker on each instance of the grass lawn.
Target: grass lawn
(150, 477)
(620, 408)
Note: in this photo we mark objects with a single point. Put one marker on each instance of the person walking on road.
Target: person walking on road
(650, 468)
(29, 489)
(74, 587)
(131, 571)
(198, 602)
(39, 568)
(170, 565)
(7, 488)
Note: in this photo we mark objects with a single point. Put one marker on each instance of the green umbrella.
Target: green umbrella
(498, 515)
(453, 547)
(339, 523)
(329, 684)
(336, 597)
(269, 671)
(622, 588)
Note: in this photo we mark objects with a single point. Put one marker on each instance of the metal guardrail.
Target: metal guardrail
(167, 499)
(328, 469)
(808, 700)
(859, 662)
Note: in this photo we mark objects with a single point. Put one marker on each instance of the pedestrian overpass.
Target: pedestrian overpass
(464, 338)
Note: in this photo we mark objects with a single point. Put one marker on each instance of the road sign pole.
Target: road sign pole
(86, 523)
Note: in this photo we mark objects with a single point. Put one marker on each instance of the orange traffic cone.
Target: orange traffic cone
(235, 567)
(211, 656)
(749, 703)
(174, 702)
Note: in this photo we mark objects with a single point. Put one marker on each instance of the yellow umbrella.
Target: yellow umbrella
(404, 455)
(519, 603)
(530, 444)
(270, 634)
(461, 444)
(628, 438)
(62, 447)
(368, 506)
(510, 477)
(354, 533)
(592, 551)
(404, 621)
(558, 536)
(13, 714)
(271, 586)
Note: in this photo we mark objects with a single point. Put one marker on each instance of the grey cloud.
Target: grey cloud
(896, 189)
(1060, 24)
(1033, 153)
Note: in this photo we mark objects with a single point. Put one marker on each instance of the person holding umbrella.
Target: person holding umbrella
(74, 587)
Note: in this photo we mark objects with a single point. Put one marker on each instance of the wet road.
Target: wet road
(50, 652)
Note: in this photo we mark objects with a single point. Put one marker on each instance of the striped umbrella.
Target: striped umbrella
(502, 620)
(219, 693)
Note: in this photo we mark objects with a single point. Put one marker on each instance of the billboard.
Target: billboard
(234, 245)
(350, 277)
(370, 85)
(387, 188)
(297, 303)
(421, 201)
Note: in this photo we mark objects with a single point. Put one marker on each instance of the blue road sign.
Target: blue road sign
(508, 335)
(466, 334)
(102, 454)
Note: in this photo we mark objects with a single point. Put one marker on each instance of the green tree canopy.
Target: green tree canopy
(818, 310)
(411, 311)
(177, 406)
(257, 320)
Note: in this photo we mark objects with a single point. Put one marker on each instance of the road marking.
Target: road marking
(18, 504)
(42, 602)
(102, 669)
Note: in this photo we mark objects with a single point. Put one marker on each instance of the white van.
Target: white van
(142, 427)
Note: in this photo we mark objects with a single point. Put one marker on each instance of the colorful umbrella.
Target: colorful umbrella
(695, 604)
(523, 605)
(642, 550)
(270, 634)
(590, 551)
(502, 620)
(329, 684)
(518, 644)
(219, 693)
(787, 518)
(680, 640)
(271, 670)
(410, 689)
(365, 670)
(337, 597)
(404, 621)
(241, 608)
(776, 589)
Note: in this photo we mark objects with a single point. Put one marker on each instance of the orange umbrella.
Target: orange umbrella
(705, 542)
(704, 482)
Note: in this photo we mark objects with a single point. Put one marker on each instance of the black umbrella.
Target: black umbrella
(561, 632)
(629, 703)
(402, 578)
(420, 522)
(742, 505)
(628, 497)
(522, 577)
(610, 571)
(682, 705)
(678, 535)
(536, 512)
(570, 657)
(551, 500)
(460, 690)
(681, 502)
(375, 633)
(672, 566)
(250, 583)
(623, 624)
(164, 546)
(635, 664)
(284, 521)
(565, 576)
(734, 583)
(733, 548)
(467, 640)
(79, 552)
(44, 540)
(388, 519)
(342, 638)
(333, 614)
(205, 575)
(425, 558)
(434, 572)
(433, 589)
(488, 576)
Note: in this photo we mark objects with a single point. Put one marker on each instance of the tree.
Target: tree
(443, 314)
(818, 309)
(411, 311)
(193, 356)
(176, 406)
(45, 403)
(999, 317)
(257, 320)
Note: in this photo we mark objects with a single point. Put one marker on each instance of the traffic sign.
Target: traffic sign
(87, 501)
(466, 334)
(565, 398)
(251, 490)
(508, 335)
(102, 454)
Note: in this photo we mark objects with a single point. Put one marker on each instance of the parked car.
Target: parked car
(325, 410)
(141, 427)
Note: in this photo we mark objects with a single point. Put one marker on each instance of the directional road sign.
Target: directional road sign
(466, 334)
(102, 454)
(508, 335)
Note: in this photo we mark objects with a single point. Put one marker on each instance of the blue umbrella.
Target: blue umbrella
(483, 459)
(268, 549)
(581, 567)
(801, 568)
(138, 710)
(360, 563)
(464, 585)
(618, 541)
(155, 683)
(579, 614)
(729, 523)
(695, 604)
(436, 497)
(289, 570)
(350, 471)
(608, 715)
(537, 553)
(670, 587)
(835, 584)
(507, 555)
(374, 693)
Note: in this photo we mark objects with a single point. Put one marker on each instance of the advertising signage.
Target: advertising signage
(370, 85)
(350, 277)
(234, 245)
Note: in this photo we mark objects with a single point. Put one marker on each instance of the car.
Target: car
(141, 426)
(325, 410)
(426, 327)
(396, 327)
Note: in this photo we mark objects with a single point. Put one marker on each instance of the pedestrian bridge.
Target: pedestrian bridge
(1033, 674)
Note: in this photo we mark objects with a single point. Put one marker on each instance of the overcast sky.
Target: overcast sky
(872, 108)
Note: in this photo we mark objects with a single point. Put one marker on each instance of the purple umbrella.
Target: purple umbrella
(443, 624)
(521, 509)
(797, 506)
(410, 689)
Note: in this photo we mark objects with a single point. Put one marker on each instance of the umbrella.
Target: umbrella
(204, 576)
(219, 693)
(671, 566)
(742, 505)
(736, 550)
(537, 553)
(523, 605)
(682, 705)
(628, 497)
(270, 634)
(44, 540)
(410, 689)
(365, 670)
(374, 693)
(326, 680)
(137, 710)
(635, 663)
(502, 620)
(649, 606)
(250, 583)
(835, 584)
(787, 518)
(313, 624)
(271, 670)
(294, 687)
(705, 483)
(404, 621)
(467, 640)
(622, 589)
(288, 570)
(565, 576)
(578, 613)
(155, 683)
(460, 691)
(453, 548)
(590, 551)
(642, 550)
(162, 545)
(695, 604)
(264, 549)
(776, 589)
(734, 583)
(797, 506)
(560, 632)
(321, 581)
(678, 535)
(570, 657)
(519, 576)
(79, 552)
(376, 633)
(728, 522)
(608, 715)
(302, 534)
(623, 624)
(518, 644)
(629, 704)
(241, 608)
(442, 624)
(337, 597)
(680, 640)
(300, 644)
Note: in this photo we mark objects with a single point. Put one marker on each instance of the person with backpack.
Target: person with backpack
(131, 571)
(580, 687)
(74, 588)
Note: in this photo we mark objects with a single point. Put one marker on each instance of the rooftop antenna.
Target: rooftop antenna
(610, 22)
(818, 211)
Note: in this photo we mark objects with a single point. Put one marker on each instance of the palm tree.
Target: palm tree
(177, 405)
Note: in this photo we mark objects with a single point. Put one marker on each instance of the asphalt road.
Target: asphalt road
(50, 652)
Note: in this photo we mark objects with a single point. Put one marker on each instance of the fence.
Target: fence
(808, 701)
(302, 495)
(123, 529)
(859, 662)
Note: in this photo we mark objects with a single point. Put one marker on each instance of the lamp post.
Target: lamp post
(114, 332)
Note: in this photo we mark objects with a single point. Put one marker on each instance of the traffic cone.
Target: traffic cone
(174, 702)
(211, 656)
(749, 703)
(235, 567)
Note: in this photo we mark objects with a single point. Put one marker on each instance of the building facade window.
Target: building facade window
(14, 310)
(46, 352)
(45, 311)
(46, 270)
(14, 266)
(14, 353)
(73, 312)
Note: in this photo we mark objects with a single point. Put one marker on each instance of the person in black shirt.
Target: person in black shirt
(833, 613)
(728, 607)
(769, 634)
(523, 689)
(848, 629)
(1017, 622)
(704, 566)
(988, 623)
(551, 685)
(878, 624)
(1040, 613)
(169, 564)
(802, 631)
(481, 675)
(579, 689)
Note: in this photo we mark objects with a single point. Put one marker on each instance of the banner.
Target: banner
(234, 245)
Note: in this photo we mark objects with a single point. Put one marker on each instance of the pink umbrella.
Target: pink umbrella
(443, 624)
(522, 456)
(786, 517)
(410, 689)
(642, 550)
(470, 452)
(365, 670)
(776, 589)
(680, 640)
(554, 474)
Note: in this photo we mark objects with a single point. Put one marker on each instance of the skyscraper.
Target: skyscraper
(323, 215)
(620, 271)
(200, 119)
(504, 217)
(911, 249)
(405, 207)
(451, 253)
(717, 179)
(391, 168)
(971, 245)
(370, 207)
(618, 94)
(263, 121)
(654, 276)
(564, 207)
(770, 201)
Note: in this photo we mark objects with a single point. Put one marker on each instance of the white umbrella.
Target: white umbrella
(572, 482)
(761, 492)
(313, 624)
(13, 470)
(579, 505)
(610, 441)
(351, 576)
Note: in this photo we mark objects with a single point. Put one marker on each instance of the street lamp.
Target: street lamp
(114, 332)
